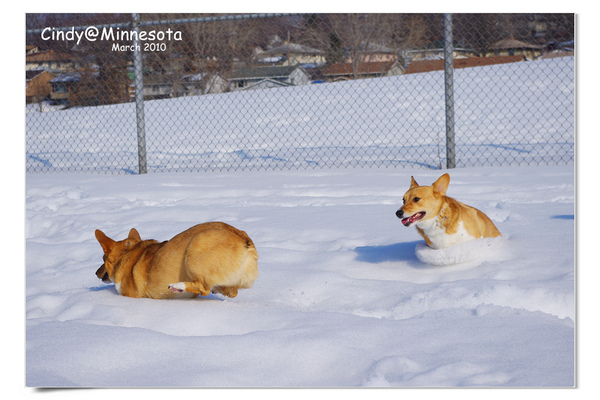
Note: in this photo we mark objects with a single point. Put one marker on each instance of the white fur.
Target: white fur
(180, 292)
(437, 233)
(178, 286)
(118, 287)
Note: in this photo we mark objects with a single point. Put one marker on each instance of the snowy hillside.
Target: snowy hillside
(510, 114)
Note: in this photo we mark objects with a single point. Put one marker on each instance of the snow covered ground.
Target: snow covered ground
(342, 299)
(347, 296)
(508, 114)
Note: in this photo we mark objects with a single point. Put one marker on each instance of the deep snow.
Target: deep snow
(346, 296)
(342, 298)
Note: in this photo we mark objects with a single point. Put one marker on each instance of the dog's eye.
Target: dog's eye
(416, 199)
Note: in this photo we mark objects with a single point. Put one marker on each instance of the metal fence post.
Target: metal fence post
(449, 85)
(139, 94)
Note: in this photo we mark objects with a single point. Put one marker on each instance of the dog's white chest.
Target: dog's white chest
(436, 233)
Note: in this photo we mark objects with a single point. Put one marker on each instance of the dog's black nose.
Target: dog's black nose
(400, 214)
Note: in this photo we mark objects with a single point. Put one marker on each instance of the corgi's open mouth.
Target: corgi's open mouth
(414, 218)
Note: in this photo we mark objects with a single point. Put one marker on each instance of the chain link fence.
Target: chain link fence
(152, 93)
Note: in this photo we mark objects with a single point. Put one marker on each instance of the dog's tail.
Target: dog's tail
(251, 248)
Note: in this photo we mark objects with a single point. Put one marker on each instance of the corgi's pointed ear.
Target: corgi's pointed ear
(413, 183)
(104, 240)
(441, 185)
(133, 234)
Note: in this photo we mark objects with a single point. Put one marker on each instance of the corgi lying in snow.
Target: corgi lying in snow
(211, 257)
(441, 220)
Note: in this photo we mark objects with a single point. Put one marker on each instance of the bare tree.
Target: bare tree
(481, 31)
(207, 49)
(104, 81)
(358, 33)
(361, 38)
(406, 31)
(203, 43)
(317, 32)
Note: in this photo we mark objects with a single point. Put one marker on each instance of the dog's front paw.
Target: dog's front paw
(177, 287)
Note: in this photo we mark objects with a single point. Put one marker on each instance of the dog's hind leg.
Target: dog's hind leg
(229, 291)
(190, 287)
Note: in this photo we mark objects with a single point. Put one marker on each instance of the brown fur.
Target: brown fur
(449, 212)
(213, 256)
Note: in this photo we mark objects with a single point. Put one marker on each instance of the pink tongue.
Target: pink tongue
(410, 220)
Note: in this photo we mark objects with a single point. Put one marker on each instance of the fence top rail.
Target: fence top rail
(130, 24)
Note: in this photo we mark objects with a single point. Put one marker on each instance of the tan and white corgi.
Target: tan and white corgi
(441, 220)
(210, 257)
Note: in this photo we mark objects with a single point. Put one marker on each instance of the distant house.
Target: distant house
(512, 47)
(198, 84)
(79, 87)
(38, 86)
(64, 86)
(263, 77)
(290, 54)
(163, 86)
(339, 72)
(435, 51)
(50, 60)
(159, 86)
(438, 65)
(31, 49)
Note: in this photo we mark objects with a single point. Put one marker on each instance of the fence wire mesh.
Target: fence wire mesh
(267, 92)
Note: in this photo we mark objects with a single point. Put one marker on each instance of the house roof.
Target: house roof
(73, 76)
(438, 65)
(376, 67)
(199, 77)
(49, 55)
(267, 83)
(263, 72)
(291, 48)
(35, 72)
(193, 78)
